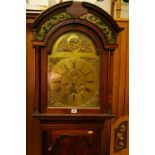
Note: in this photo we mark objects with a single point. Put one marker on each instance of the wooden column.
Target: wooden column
(118, 9)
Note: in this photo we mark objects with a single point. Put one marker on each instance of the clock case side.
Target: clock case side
(104, 49)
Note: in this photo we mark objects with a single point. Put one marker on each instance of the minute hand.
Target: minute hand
(74, 91)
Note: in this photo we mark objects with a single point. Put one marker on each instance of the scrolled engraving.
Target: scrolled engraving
(44, 29)
(120, 138)
(109, 35)
(74, 42)
(60, 17)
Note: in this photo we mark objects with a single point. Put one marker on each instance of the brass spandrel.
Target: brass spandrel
(73, 45)
(73, 72)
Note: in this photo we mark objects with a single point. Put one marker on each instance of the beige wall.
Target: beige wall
(106, 4)
(124, 10)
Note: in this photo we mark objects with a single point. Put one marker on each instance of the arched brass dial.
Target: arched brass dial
(73, 72)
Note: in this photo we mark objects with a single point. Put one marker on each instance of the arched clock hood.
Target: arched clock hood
(91, 19)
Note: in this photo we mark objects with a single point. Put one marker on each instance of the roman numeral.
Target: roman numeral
(59, 73)
(90, 81)
(88, 90)
(88, 73)
(57, 82)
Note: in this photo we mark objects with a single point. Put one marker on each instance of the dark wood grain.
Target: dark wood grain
(74, 117)
(77, 10)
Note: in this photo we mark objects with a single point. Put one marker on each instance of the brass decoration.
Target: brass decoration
(120, 138)
(109, 35)
(74, 42)
(73, 73)
(44, 29)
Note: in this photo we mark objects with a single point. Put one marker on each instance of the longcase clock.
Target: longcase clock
(74, 44)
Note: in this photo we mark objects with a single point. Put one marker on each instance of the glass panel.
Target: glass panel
(73, 72)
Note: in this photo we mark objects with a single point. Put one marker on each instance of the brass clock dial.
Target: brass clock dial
(73, 81)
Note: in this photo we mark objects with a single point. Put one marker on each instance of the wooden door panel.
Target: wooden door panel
(70, 142)
(72, 145)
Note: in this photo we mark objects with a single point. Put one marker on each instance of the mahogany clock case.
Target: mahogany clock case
(74, 45)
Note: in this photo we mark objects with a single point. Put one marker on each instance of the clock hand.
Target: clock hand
(73, 99)
(90, 81)
(74, 91)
